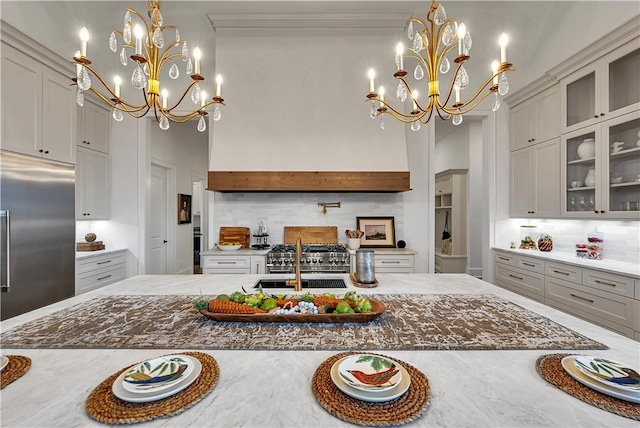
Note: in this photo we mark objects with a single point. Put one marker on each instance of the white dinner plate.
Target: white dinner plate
(374, 397)
(568, 363)
(152, 368)
(612, 373)
(3, 362)
(153, 395)
(359, 371)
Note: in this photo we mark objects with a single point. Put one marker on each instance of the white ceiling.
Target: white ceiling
(530, 24)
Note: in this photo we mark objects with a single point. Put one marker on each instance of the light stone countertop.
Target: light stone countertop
(241, 252)
(604, 265)
(86, 254)
(272, 388)
(387, 251)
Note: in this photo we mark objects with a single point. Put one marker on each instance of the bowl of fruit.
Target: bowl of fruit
(230, 246)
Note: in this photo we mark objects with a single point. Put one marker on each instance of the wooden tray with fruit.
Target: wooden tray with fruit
(242, 307)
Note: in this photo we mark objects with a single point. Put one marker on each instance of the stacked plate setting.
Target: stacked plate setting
(370, 378)
(156, 378)
(4, 360)
(605, 376)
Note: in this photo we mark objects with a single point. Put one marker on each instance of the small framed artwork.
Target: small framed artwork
(184, 209)
(378, 231)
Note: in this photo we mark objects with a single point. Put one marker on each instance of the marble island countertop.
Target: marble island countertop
(241, 252)
(272, 388)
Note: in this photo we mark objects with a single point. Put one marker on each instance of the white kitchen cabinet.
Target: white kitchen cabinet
(94, 130)
(389, 260)
(521, 275)
(241, 264)
(536, 120)
(97, 270)
(535, 180)
(451, 202)
(38, 108)
(92, 185)
(615, 173)
(450, 264)
(603, 89)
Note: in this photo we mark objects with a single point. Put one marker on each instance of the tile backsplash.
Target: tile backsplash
(277, 210)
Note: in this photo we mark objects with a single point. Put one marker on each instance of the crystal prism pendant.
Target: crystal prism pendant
(417, 43)
(462, 79)
(84, 81)
(185, 52)
(137, 78)
(496, 102)
(158, 39)
(418, 73)
(164, 123)
(123, 57)
(174, 73)
(445, 65)
(145, 68)
(372, 111)
(117, 114)
(457, 118)
(113, 42)
(410, 31)
(401, 93)
(156, 18)
(415, 126)
(189, 67)
(126, 33)
(202, 124)
(382, 125)
(467, 42)
(127, 19)
(503, 85)
(80, 97)
(441, 15)
(195, 94)
(447, 35)
(216, 113)
(177, 35)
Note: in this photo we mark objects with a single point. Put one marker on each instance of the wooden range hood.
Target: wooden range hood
(309, 181)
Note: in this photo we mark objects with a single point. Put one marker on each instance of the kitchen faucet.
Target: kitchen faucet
(297, 283)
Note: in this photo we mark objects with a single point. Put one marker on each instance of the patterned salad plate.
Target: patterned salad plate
(371, 396)
(576, 370)
(370, 373)
(612, 373)
(156, 378)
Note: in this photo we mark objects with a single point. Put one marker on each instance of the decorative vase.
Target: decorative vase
(587, 149)
(590, 179)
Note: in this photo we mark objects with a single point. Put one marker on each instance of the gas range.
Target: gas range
(316, 258)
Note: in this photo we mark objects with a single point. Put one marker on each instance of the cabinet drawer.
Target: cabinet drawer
(99, 278)
(222, 269)
(531, 284)
(530, 264)
(391, 261)
(565, 272)
(636, 316)
(608, 306)
(224, 262)
(98, 262)
(505, 259)
(617, 284)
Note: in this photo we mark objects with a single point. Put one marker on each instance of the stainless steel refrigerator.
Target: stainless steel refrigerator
(37, 236)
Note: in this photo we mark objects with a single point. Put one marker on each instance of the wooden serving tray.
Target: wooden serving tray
(377, 308)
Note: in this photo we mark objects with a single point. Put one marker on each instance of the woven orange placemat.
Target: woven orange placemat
(406, 408)
(550, 368)
(16, 368)
(105, 407)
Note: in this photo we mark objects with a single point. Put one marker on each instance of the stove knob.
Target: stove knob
(301, 261)
(314, 260)
(320, 261)
(308, 260)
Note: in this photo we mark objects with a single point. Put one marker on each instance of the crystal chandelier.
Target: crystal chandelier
(142, 42)
(431, 41)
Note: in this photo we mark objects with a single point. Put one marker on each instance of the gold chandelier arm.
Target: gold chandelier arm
(420, 59)
(164, 59)
(406, 118)
(186, 91)
(113, 95)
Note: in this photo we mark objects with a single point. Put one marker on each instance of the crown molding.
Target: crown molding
(308, 20)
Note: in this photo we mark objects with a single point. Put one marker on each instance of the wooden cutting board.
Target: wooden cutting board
(89, 246)
(311, 234)
(235, 234)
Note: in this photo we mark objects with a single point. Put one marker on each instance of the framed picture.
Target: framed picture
(184, 209)
(378, 231)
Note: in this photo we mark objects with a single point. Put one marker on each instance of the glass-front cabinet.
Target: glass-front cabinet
(607, 88)
(601, 169)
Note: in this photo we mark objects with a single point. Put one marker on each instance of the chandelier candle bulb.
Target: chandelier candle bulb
(165, 95)
(494, 68)
(203, 98)
(78, 66)
(372, 75)
(457, 89)
(414, 95)
(137, 31)
(84, 38)
(381, 94)
(399, 51)
(462, 31)
(117, 82)
(218, 84)
(504, 40)
(197, 55)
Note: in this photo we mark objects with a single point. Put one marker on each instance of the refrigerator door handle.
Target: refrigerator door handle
(5, 253)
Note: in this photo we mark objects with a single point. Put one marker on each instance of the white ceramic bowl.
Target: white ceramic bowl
(230, 247)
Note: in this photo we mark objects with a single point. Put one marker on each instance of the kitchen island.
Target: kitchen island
(273, 388)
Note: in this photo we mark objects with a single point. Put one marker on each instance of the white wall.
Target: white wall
(452, 151)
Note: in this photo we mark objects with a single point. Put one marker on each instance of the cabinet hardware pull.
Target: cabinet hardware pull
(6, 214)
(604, 283)
(504, 258)
(601, 114)
(516, 277)
(528, 264)
(391, 261)
(104, 277)
(104, 262)
(580, 297)
(226, 263)
(561, 273)
(46, 152)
